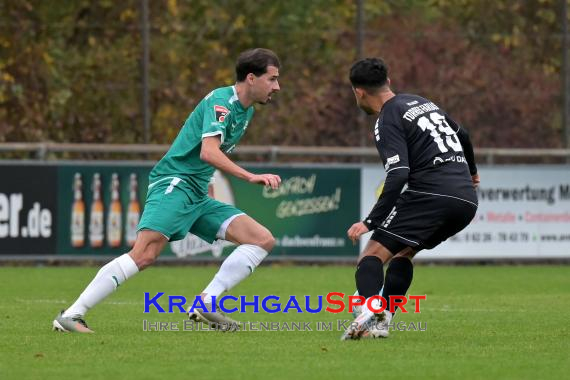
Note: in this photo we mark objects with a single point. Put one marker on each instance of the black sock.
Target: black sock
(369, 276)
(398, 278)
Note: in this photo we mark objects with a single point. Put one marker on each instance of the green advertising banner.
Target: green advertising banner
(99, 207)
(311, 211)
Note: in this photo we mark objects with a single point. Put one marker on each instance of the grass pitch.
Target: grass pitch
(482, 322)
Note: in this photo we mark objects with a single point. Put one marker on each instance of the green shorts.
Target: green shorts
(172, 209)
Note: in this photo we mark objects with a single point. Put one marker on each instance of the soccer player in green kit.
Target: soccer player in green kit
(177, 199)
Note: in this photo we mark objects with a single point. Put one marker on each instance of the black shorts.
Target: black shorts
(423, 220)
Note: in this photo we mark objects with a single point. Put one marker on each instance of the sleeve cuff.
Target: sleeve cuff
(215, 133)
(369, 224)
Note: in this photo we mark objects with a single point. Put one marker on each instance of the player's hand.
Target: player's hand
(356, 230)
(476, 179)
(271, 180)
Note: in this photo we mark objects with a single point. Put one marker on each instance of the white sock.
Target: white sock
(105, 282)
(240, 264)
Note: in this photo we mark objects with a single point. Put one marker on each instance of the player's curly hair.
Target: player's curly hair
(369, 74)
(255, 61)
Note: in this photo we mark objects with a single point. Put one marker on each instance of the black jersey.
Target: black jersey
(421, 145)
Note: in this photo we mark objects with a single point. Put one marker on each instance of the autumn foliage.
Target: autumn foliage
(72, 72)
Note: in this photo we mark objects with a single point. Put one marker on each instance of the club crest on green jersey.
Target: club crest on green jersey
(221, 113)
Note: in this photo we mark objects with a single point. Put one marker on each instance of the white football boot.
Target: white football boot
(356, 310)
(216, 320)
(379, 328)
(70, 324)
(366, 319)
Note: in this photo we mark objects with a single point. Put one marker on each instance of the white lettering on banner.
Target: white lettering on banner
(38, 222)
(309, 206)
(524, 212)
(310, 241)
(293, 185)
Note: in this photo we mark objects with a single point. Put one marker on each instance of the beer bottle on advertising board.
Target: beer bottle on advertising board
(133, 213)
(77, 213)
(96, 217)
(114, 216)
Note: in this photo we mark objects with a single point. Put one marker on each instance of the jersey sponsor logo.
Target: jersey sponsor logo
(221, 113)
(392, 160)
(439, 160)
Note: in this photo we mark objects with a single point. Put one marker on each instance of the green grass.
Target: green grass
(482, 322)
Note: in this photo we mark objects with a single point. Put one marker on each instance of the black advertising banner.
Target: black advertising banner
(28, 209)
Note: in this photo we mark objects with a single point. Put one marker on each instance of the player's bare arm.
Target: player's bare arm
(393, 186)
(467, 146)
(476, 180)
(356, 230)
(212, 154)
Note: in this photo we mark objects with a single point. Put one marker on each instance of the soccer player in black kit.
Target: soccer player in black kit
(421, 146)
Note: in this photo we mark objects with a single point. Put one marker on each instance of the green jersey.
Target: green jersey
(219, 113)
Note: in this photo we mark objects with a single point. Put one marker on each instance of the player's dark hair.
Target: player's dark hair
(255, 61)
(369, 74)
